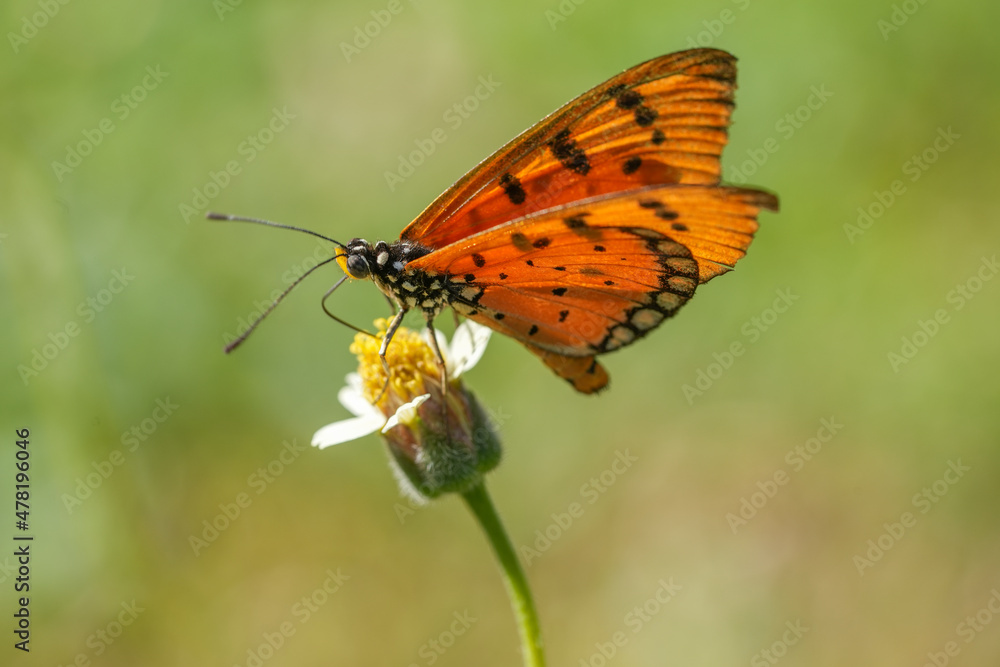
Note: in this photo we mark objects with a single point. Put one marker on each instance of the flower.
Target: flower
(438, 436)
(440, 439)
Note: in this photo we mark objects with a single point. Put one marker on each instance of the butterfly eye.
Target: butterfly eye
(357, 266)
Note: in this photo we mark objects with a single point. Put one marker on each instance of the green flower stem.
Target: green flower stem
(517, 584)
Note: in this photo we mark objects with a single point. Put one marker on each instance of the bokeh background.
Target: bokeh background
(877, 92)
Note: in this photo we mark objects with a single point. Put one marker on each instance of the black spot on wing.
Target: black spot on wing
(644, 116)
(658, 136)
(660, 210)
(631, 165)
(478, 260)
(569, 154)
(563, 314)
(578, 224)
(520, 241)
(469, 277)
(632, 100)
(512, 188)
(503, 276)
(542, 242)
(628, 99)
(679, 226)
(533, 330)
(615, 90)
(559, 291)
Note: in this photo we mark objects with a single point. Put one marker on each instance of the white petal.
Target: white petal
(346, 430)
(406, 412)
(352, 399)
(468, 346)
(354, 382)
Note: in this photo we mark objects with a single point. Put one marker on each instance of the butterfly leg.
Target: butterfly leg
(442, 365)
(389, 333)
(440, 356)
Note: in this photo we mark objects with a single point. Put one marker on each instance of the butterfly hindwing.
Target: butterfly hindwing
(584, 373)
(591, 277)
(664, 121)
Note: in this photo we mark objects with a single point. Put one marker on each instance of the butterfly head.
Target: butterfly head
(383, 262)
(358, 259)
(386, 265)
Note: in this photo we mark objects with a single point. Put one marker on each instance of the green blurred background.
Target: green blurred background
(894, 79)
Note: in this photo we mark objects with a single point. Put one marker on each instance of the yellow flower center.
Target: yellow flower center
(411, 360)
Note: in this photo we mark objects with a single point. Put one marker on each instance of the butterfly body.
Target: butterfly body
(591, 228)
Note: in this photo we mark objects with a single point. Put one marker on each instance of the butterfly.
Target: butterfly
(587, 231)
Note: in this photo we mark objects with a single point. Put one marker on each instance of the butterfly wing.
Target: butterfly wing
(587, 278)
(661, 122)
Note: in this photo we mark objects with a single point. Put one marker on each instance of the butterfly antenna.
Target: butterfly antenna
(334, 317)
(268, 223)
(232, 346)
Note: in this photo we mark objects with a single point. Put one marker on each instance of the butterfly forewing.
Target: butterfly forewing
(661, 122)
(589, 229)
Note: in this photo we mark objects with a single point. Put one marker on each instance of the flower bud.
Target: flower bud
(440, 439)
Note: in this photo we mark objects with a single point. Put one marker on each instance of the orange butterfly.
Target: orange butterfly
(588, 230)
